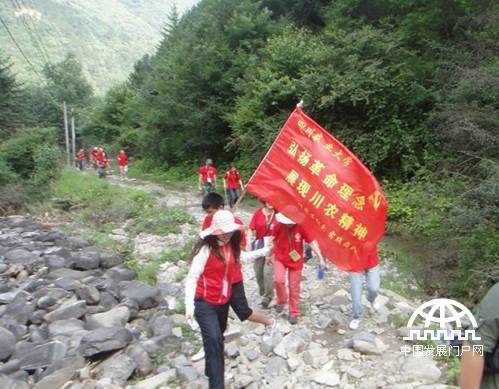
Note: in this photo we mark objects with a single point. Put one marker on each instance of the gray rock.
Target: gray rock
(7, 344)
(186, 373)
(46, 302)
(108, 260)
(10, 367)
(90, 294)
(421, 368)
(243, 380)
(116, 317)
(293, 343)
(118, 367)
(65, 327)
(43, 355)
(146, 296)
(67, 283)
(323, 321)
(141, 358)
(11, 383)
(86, 260)
(366, 343)
(276, 366)
(158, 381)
(55, 380)
(104, 339)
(119, 274)
(251, 354)
(73, 310)
(55, 262)
(19, 256)
(328, 378)
(162, 325)
(231, 350)
(69, 273)
(54, 293)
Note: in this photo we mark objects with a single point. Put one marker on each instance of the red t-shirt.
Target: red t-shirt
(81, 155)
(259, 221)
(208, 173)
(122, 159)
(238, 274)
(284, 244)
(95, 154)
(233, 179)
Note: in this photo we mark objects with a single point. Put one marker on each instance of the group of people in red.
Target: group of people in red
(275, 245)
(99, 160)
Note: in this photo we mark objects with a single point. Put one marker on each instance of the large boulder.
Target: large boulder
(116, 317)
(19, 256)
(86, 260)
(146, 296)
(72, 310)
(43, 356)
(104, 339)
(118, 367)
(65, 327)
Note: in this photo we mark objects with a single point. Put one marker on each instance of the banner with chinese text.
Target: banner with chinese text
(312, 178)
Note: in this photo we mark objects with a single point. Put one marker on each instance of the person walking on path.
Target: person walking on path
(208, 287)
(95, 157)
(207, 177)
(81, 159)
(288, 253)
(232, 182)
(213, 203)
(261, 225)
(372, 275)
(123, 163)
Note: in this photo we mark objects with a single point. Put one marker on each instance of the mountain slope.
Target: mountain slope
(106, 36)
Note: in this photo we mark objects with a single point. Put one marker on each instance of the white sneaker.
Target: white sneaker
(354, 324)
(270, 330)
(198, 356)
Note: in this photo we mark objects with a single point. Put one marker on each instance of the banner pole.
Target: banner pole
(234, 208)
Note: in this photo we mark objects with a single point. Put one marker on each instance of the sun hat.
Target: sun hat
(283, 219)
(223, 222)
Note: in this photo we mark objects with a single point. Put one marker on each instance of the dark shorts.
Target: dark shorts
(239, 303)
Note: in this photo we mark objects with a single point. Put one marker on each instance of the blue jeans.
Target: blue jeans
(234, 194)
(373, 283)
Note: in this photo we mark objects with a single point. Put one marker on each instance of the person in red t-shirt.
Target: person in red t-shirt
(81, 159)
(262, 224)
(95, 157)
(213, 203)
(209, 287)
(373, 281)
(207, 177)
(233, 182)
(288, 252)
(123, 163)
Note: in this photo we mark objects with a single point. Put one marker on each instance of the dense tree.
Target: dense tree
(11, 100)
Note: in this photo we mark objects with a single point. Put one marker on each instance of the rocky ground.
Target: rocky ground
(75, 317)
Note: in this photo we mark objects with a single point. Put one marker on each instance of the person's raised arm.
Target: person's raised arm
(317, 250)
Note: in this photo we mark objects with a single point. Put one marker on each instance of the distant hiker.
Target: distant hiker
(207, 177)
(232, 182)
(372, 275)
(101, 168)
(123, 163)
(95, 157)
(481, 369)
(261, 225)
(213, 203)
(208, 287)
(81, 156)
(288, 253)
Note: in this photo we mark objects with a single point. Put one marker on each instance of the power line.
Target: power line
(37, 44)
(20, 49)
(36, 31)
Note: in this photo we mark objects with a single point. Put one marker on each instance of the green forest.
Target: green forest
(410, 86)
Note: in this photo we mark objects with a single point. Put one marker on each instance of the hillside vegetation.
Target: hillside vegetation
(107, 37)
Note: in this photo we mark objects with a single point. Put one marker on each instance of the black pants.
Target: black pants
(239, 303)
(212, 320)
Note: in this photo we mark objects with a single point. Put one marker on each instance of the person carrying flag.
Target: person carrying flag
(232, 182)
(288, 253)
(207, 177)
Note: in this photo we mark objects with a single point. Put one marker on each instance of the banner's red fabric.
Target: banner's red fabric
(313, 179)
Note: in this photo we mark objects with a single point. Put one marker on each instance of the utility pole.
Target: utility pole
(73, 137)
(66, 132)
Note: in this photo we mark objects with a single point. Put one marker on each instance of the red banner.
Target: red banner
(313, 179)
